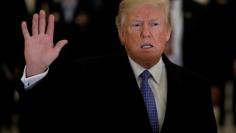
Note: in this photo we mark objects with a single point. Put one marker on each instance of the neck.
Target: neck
(147, 63)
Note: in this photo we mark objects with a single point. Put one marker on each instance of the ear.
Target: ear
(168, 33)
(121, 35)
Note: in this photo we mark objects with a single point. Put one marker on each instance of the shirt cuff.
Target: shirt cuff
(30, 81)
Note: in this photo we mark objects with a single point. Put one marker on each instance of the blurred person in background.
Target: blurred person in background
(198, 38)
(222, 49)
(188, 20)
(7, 91)
(72, 21)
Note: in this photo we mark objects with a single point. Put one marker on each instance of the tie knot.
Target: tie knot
(145, 75)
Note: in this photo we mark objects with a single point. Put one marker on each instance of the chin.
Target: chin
(150, 60)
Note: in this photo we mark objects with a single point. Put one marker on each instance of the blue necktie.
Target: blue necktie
(149, 101)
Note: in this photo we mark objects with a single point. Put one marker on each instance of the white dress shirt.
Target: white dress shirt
(29, 82)
(158, 84)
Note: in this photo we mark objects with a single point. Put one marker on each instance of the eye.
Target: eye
(135, 25)
(154, 24)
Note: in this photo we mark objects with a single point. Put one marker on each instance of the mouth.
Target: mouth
(146, 46)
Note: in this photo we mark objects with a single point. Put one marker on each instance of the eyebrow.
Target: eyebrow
(156, 19)
(137, 20)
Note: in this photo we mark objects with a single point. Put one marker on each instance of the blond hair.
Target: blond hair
(127, 5)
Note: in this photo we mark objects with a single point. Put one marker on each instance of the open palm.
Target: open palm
(40, 50)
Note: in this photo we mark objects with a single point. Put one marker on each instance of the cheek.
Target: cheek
(160, 37)
(132, 37)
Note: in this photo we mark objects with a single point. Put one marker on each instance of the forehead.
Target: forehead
(145, 11)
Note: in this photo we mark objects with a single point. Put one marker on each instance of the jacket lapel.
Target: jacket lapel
(174, 82)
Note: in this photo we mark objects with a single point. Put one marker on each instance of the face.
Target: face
(145, 32)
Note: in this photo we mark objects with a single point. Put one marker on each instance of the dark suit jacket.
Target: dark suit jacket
(101, 95)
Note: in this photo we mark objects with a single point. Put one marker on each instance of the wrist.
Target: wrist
(32, 70)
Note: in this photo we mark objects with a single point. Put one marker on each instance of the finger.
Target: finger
(60, 45)
(35, 24)
(50, 28)
(42, 21)
(25, 30)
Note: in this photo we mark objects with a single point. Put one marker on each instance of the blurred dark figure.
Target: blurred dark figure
(104, 27)
(209, 44)
(209, 29)
(11, 58)
(7, 103)
(73, 18)
(81, 20)
(234, 92)
(195, 44)
(222, 47)
(189, 25)
(233, 55)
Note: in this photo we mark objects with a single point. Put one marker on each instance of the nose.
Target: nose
(145, 31)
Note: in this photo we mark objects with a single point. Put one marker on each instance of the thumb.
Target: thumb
(60, 45)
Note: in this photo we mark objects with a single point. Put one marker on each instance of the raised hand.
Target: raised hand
(40, 50)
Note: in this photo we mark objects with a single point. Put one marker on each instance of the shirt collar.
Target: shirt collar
(154, 70)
